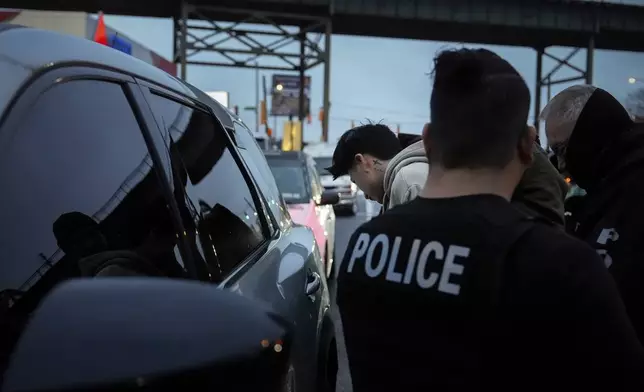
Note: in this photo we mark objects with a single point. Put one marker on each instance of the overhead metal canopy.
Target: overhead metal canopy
(530, 23)
(225, 40)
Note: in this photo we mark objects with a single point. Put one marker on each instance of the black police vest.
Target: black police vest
(431, 289)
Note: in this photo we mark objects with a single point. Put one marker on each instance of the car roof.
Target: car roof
(48, 49)
(288, 155)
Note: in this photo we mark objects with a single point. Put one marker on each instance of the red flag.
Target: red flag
(100, 35)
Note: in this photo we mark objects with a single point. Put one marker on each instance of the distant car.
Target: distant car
(112, 167)
(347, 190)
(307, 201)
(322, 154)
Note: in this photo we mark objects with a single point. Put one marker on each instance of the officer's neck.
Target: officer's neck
(464, 182)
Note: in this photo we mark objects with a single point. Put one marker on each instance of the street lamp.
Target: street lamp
(633, 80)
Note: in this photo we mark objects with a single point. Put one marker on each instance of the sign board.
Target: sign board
(285, 97)
(220, 96)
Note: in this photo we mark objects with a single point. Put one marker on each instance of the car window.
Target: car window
(291, 178)
(77, 181)
(223, 210)
(321, 163)
(258, 166)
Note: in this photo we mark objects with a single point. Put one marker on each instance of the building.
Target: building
(82, 24)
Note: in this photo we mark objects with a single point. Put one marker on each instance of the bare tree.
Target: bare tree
(635, 103)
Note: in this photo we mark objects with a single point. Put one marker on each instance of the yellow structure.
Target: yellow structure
(292, 136)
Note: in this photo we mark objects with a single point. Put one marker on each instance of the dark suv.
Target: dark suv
(111, 167)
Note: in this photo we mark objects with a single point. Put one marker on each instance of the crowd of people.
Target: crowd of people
(477, 275)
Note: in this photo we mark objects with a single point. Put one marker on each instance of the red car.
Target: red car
(307, 201)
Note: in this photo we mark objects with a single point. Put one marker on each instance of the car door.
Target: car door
(238, 247)
(257, 164)
(78, 178)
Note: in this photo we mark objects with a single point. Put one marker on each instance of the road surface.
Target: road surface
(344, 227)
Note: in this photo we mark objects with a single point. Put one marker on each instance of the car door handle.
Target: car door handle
(313, 283)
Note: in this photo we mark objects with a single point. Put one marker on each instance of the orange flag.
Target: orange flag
(100, 35)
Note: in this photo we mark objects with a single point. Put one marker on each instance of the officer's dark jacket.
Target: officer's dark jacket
(605, 156)
(467, 294)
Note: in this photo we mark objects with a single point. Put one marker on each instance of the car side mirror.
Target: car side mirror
(329, 198)
(121, 334)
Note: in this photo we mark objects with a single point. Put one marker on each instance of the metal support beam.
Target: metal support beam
(201, 39)
(183, 43)
(537, 92)
(590, 60)
(327, 83)
(302, 71)
(549, 80)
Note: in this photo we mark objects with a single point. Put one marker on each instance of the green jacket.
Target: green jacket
(542, 190)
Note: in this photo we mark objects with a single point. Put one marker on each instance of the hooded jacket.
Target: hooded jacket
(605, 156)
(405, 175)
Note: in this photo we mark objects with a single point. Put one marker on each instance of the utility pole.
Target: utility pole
(257, 119)
(302, 69)
(327, 82)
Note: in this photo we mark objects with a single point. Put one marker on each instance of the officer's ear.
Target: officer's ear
(526, 144)
(426, 137)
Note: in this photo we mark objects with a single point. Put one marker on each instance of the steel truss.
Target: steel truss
(548, 80)
(197, 31)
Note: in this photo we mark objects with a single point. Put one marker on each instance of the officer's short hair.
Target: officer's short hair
(479, 110)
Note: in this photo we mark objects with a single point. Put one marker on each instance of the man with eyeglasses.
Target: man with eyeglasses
(596, 142)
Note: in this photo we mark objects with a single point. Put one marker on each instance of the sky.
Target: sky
(375, 78)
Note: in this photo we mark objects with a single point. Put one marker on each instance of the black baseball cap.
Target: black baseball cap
(373, 139)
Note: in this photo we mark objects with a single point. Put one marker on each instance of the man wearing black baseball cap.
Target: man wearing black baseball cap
(373, 157)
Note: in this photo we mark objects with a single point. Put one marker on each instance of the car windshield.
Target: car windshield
(321, 163)
(290, 179)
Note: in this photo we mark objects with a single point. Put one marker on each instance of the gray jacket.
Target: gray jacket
(405, 175)
(541, 191)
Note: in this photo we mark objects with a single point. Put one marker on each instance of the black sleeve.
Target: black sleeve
(626, 258)
(356, 308)
(342, 284)
(594, 322)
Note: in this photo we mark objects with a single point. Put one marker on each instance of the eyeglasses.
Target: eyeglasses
(559, 149)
